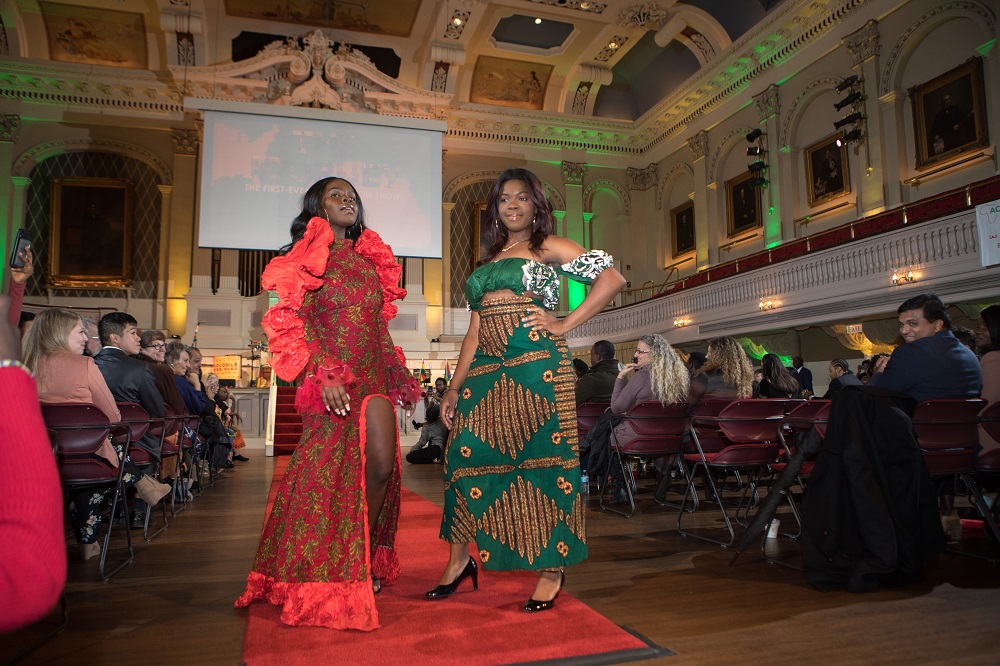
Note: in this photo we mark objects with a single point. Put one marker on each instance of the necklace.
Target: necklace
(513, 244)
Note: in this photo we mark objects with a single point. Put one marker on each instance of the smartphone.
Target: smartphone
(22, 242)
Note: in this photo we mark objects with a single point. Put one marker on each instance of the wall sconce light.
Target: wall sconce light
(681, 323)
(755, 134)
(765, 305)
(903, 278)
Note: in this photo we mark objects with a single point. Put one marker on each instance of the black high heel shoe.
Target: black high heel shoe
(443, 591)
(533, 605)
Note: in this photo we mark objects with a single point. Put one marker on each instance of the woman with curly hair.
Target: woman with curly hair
(727, 372)
(512, 461)
(778, 382)
(329, 542)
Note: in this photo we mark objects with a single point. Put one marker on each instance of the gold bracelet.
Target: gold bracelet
(14, 363)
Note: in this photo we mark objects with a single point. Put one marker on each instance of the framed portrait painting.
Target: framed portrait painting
(949, 114)
(827, 175)
(742, 205)
(90, 233)
(682, 228)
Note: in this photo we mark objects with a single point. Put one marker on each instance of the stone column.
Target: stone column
(704, 252)
(573, 173)
(446, 208)
(642, 191)
(181, 229)
(863, 47)
(770, 196)
(890, 117)
(162, 272)
(11, 212)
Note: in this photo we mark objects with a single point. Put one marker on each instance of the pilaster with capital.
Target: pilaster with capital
(13, 207)
(698, 145)
(183, 253)
(160, 309)
(769, 107)
(863, 47)
(573, 173)
(446, 208)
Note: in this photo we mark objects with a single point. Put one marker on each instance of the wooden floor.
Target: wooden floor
(174, 603)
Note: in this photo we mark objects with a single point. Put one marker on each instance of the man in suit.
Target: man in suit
(840, 376)
(129, 380)
(804, 375)
(597, 384)
(932, 363)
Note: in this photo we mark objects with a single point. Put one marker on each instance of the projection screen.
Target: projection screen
(258, 160)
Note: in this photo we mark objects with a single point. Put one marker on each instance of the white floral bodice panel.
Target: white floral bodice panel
(520, 275)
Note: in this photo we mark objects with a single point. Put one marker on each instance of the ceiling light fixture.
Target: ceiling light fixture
(538, 21)
(457, 21)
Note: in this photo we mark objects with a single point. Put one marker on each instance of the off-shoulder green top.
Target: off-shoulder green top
(521, 275)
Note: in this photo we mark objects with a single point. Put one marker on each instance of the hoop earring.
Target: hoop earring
(496, 224)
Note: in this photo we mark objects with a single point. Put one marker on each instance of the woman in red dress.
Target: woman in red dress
(328, 545)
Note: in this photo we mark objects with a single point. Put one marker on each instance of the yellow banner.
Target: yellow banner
(227, 367)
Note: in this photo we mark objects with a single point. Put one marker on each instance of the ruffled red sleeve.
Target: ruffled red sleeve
(292, 275)
(371, 246)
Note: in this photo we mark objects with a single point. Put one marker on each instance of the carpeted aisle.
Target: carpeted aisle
(483, 627)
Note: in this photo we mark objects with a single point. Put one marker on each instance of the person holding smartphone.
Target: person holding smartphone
(21, 268)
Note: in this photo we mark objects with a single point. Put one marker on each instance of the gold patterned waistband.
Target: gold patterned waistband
(499, 307)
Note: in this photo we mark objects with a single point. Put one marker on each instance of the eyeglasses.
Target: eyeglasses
(156, 345)
(639, 351)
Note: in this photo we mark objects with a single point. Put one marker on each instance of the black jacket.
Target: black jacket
(869, 512)
(838, 383)
(130, 380)
(598, 383)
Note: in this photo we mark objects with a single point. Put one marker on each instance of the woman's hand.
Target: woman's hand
(21, 275)
(448, 407)
(538, 318)
(629, 367)
(336, 400)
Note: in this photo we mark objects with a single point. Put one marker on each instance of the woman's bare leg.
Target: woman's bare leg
(458, 557)
(548, 585)
(380, 435)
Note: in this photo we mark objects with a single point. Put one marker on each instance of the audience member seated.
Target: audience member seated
(840, 376)
(727, 372)
(580, 367)
(232, 420)
(695, 360)
(658, 373)
(803, 376)
(778, 382)
(130, 381)
(32, 548)
(598, 382)
(93, 339)
(197, 403)
(194, 367)
(967, 337)
(53, 350)
(152, 350)
(988, 342)
(430, 446)
(932, 363)
(212, 388)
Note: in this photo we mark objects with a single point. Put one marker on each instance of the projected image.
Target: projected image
(256, 168)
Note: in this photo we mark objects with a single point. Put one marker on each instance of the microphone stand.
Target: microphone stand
(194, 343)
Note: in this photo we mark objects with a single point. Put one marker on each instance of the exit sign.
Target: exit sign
(855, 328)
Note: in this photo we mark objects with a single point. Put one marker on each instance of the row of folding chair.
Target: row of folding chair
(79, 430)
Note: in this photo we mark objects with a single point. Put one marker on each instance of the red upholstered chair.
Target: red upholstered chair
(163, 429)
(587, 415)
(78, 432)
(659, 432)
(948, 434)
(988, 464)
(801, 417)
(748, 432)
(139, 424)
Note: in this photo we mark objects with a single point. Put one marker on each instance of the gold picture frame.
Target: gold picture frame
(90, 233)
(743, 209)
(828, 173)
(93, 36)
(949, 114)
(682, 228)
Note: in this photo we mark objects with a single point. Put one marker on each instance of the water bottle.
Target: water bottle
(584, 488)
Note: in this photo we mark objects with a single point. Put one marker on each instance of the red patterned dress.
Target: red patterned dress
(317, 554)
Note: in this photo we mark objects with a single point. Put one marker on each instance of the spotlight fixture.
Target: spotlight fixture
(847, 101)
(849, 119)
(903, 278)
(754, 167)
(849, 82)
(538, 21)
(765, 305)
(754, 135)
(759, 181)
(853, 135)
(755, 150)
(457, 21)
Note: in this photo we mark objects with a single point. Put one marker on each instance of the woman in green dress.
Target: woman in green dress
(512, 471)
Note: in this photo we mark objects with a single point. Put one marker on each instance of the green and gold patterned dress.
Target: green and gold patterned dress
(512, 469)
